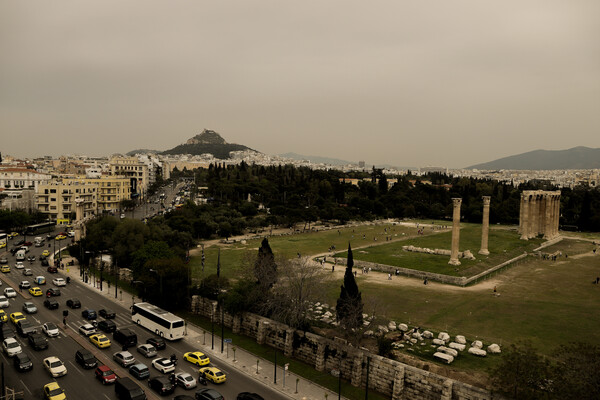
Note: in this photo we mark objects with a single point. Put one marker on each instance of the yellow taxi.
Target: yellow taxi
(16, 316)
(53, 391)
(197, 358)
(36, 291)
(60, 237)
(13, 234)
(100, 340)
(3, 316)
(5, 268)
(2, 245)
(213, 374)
(45, 253)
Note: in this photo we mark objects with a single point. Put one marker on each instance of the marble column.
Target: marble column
(525, 213)
(548, 218)
(556, 214)
(485, 226)
(455, 232)
(520, 230)
(533, 216)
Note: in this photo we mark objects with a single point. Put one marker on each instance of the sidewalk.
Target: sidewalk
(244, 362)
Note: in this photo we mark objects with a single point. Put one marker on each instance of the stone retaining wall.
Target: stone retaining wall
(392, 378)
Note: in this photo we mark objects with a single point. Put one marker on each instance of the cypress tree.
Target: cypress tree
(265, 269)
(349, 306)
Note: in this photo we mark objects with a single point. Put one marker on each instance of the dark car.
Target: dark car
(7, 332)
(161, 385)
(51, 304)
(183, 397)
(38, 341)
(22, 362)
(53, 292)
(125, 337)
(28, 244)
(86, 359)
(73, 303)
(3, 260)
(107, 314)
(140, 371)
(45, 262)
(52, 269)
(31, 258)
(208, 394)
(107, 326)
(249, 396)
(105, 375)
(89, 314)
(25, 327)
(158, 343)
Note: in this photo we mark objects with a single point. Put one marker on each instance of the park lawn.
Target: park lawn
(503, 245)
(288, 246)
(549, 303)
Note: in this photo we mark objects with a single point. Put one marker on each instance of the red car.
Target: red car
(105, 375)
(52, 269)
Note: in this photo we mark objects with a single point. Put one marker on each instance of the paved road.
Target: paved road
(79, 383)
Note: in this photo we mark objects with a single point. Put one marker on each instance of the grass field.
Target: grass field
(547, 302)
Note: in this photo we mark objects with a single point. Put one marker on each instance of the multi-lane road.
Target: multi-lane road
(80, 383)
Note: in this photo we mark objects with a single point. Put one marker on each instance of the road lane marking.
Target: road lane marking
(75, 368)
(25, 386)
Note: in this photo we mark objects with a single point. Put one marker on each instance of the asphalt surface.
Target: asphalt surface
(80, 383)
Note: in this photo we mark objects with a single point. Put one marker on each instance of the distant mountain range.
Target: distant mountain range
(575, 158)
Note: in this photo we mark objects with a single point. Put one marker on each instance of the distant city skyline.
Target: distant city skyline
(447, 84)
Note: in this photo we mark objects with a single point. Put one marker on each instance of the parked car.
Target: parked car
(22, 362)
(147, 350)
(107, 326)
(55, 366)
(50, 329)
(140, 371)
(107, 314)
(89, 314)
(105, 375)
(161, 385)
(73, 303)
(86, 359)
(29, 308)
(51, 304)
(38, 341)
(164, 365)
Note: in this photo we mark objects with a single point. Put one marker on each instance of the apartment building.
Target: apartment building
(22, 178)
(132, 168)
(58, 198)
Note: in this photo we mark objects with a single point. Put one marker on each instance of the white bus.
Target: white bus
(159, 321)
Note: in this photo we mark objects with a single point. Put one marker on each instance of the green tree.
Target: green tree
(349, 306)
(577, 372)
(522, 373)
(265, 268)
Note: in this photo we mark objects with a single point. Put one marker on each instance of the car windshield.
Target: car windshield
(50, 326)
(187, 378)
(219, 373)
(12, 345)
(103, 339)
(56, 364)
(55, 392)
(107, 373)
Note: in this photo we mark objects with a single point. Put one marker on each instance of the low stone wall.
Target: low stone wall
(392, 378)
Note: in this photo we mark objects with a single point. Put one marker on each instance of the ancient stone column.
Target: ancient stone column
(548, 218)
(485, 226)
(521, 210)
(533, 216)
(525, 213)
(556, 214)
(455, 232)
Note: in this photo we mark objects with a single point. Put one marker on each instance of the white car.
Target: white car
(185, 380)
(164, 365)
(87, 329)
(19, 265)
(59, 282)
(10, 292)
(11, 347)
(4, 302)
(55, 366)
(50, 329)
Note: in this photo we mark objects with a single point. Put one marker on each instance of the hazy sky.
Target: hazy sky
(409, 83)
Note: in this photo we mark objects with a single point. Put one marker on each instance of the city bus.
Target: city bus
(44, 227)
(157, 320)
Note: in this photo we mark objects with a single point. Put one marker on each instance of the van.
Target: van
(127, 389)
(21, 255)
(125, 337)
(39, 241)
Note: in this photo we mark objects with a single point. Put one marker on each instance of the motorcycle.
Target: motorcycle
(174, 359)
(202, 380)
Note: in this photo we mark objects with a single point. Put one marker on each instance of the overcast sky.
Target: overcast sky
(409, 83)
